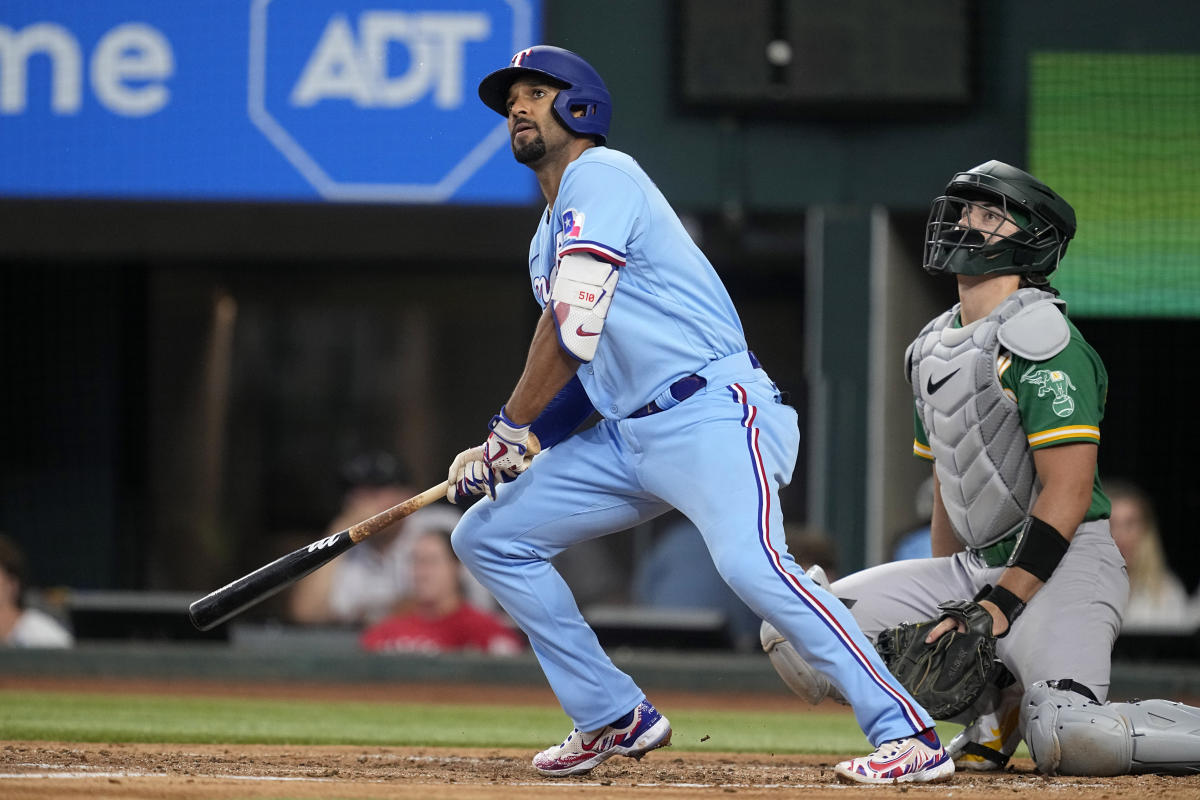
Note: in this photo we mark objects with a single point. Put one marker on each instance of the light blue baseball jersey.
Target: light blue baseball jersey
(670, 314)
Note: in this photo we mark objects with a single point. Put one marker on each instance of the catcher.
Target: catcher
(1008, 400)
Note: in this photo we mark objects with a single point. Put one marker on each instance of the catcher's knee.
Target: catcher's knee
(1069, 733)
(797, 673)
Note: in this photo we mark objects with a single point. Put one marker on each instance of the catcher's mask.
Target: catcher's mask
(995, 219)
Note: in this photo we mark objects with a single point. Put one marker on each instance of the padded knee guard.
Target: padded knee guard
(1069, 733)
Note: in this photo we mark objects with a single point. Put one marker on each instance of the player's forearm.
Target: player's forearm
(547, 370)
(1066, 473)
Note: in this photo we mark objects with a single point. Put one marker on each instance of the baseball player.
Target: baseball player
(1009, 399)
(637, 325)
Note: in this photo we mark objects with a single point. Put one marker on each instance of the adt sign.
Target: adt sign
(375, 100)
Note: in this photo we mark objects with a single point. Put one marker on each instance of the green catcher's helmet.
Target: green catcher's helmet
(1046, 224)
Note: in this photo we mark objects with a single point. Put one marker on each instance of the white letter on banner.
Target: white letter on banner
(57, 43)
(132, 52)
(377, 30)
(334, 69)
(435, 53)
(451, 32)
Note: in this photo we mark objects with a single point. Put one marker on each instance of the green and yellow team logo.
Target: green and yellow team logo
(1056, 382)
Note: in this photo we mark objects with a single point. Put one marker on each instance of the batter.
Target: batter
(637, 325)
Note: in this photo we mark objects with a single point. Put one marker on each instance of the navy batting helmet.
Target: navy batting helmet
(582, 88)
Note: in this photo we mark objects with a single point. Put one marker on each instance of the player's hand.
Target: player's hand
(506, 453)
(467, 476)
(945, 626)
(964, 613)
(511, 448)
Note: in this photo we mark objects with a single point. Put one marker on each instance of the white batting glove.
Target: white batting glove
(467, 476)
(506, 451)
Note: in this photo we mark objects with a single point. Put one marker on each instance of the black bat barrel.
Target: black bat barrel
(232, 599)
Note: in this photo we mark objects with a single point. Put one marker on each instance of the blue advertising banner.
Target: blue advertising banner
(309, 100)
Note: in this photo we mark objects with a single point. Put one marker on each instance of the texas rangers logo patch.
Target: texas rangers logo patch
(572, 224)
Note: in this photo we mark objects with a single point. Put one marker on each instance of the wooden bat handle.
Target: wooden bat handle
(383, 519)
(375, 524)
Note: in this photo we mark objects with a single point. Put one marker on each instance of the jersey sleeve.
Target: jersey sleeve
(921, 448)
(1061, 400)
(598, 207)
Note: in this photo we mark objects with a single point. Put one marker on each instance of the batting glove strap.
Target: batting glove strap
(513, 434)
(505, 453)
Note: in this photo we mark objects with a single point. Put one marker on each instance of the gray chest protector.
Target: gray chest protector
(980, 451)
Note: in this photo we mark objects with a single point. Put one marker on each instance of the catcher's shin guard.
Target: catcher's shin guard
(798, 674)
(1069, 733)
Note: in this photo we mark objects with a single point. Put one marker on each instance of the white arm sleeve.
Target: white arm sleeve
(581, 293)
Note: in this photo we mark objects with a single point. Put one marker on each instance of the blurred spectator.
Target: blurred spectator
(435, 617)
(915, 543)
(365, 583)
(22, 626)
(1157, 598)
(677, 572)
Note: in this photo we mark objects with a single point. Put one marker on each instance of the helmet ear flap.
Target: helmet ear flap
(581, 87)
(594, 116)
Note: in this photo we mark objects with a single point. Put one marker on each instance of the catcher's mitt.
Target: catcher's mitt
(948, 676)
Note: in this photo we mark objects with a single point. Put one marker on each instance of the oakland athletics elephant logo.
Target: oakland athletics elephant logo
(1053, 381)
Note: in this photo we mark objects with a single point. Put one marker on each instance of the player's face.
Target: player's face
(434, 570)
(1128, 525)
(987, 219)
(532, 126)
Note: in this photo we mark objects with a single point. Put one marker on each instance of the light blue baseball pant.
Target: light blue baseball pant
(720, 457)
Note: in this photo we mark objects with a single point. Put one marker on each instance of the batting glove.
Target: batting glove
(467, 476)
(506, 451)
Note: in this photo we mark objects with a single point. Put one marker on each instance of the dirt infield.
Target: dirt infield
(41, 770)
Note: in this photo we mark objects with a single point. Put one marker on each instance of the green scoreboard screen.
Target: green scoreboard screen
(1118, 135)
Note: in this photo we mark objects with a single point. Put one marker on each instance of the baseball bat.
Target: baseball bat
(232, 599)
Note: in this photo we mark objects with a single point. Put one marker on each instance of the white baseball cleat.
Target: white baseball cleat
(916, 759)
(581, 752)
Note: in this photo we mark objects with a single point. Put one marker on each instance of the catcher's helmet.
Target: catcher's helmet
(1046, 222)
(582, 88)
